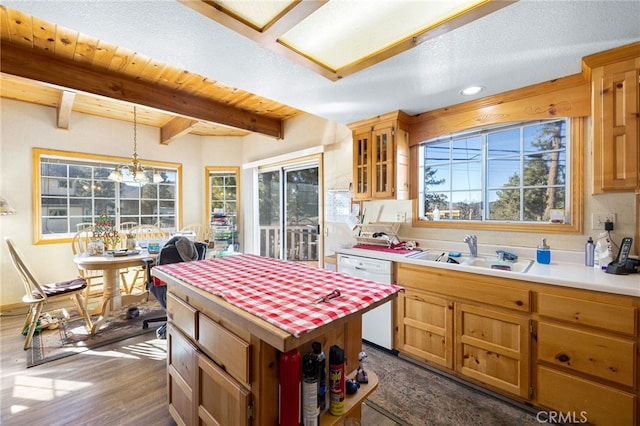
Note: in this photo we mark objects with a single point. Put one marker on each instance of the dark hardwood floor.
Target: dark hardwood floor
(120, 384)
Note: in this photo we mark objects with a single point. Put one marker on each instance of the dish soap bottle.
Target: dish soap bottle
(589, 251)
(436, 213)
(543, 255)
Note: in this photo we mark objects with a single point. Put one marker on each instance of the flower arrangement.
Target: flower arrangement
(105, 230)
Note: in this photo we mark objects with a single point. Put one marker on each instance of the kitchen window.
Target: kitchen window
(514, 174)
(71, 189)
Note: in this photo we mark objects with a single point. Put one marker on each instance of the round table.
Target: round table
(111, 265)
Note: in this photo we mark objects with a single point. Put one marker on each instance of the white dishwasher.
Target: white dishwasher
(377, 324)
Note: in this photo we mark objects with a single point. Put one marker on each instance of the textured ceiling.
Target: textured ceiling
(525, 43)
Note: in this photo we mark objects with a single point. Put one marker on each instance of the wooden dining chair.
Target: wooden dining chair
(37, 295)
(203, 232)
(144, 234)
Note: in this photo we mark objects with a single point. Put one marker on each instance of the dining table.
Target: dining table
(111, 263)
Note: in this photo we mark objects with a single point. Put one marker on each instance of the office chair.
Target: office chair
(176, 250)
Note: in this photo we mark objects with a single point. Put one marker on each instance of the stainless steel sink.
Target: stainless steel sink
(521, 265)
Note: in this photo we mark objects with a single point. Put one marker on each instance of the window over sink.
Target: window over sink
(516, 175)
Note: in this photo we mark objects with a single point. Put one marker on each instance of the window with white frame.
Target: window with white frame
(508, 173)
(73, 190)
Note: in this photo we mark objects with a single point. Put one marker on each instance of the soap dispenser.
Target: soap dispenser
(543, 255)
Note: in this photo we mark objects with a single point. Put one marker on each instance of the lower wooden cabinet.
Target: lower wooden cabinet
(425, 329)
(570, 352)
(181, 376)
(584, 400)
(221, 399)
(493, 347)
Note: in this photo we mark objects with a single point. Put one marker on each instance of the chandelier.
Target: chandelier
(133, 172)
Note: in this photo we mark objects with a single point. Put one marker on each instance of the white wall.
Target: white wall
(25, 126)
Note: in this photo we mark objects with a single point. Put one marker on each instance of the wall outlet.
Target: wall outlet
(598, 220)
(401, 217)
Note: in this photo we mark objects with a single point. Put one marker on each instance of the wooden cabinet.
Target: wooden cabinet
(208, 369)
(586, 357)
(559, 349)
(492, 347)
(181, 377)
(425, 327)
(615, 76)
(480, 341)
(220, 399)
(381, 157)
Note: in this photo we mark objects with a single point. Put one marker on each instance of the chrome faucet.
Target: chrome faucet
(472, 241)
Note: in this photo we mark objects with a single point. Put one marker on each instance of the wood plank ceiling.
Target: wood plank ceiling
(47, 64)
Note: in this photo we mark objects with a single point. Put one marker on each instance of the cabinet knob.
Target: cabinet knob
(563, 357)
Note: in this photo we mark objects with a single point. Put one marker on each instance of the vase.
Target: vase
(95, 247)
(131, 243)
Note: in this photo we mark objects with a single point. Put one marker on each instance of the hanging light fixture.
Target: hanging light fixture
(134, 172)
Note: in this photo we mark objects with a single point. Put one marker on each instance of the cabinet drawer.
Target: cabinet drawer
(594, 314)
(221, 399)
(583, 399)
(606, 357)
(225, 348)
(182, 316)
(466, 286)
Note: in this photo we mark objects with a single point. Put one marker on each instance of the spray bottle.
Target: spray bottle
(310, 382)
(322, 379)
(337, 390)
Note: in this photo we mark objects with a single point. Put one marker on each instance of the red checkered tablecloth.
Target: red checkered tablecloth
(280, 292)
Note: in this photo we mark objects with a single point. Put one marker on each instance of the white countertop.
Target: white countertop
(566, 274)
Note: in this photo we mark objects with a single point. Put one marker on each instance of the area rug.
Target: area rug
(71, 337)
(410, 394)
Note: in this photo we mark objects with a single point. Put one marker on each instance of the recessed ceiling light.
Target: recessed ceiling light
(471, 90)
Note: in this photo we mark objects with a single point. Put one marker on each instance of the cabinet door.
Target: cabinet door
(362, 165)
(493, 348)
(615, 127)
(383, 173)
(425, 327)
(181, 378)
(221, 399)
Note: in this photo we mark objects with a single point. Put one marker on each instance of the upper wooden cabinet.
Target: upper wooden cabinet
(615, 77)
(381, 157)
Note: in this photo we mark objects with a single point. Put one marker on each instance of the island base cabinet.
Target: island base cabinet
(584, 401)
(221, 399)
(492, 347)
(181, 377)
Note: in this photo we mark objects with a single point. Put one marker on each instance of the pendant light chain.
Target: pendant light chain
(135, 131)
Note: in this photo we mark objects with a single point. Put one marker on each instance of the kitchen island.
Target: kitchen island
(231, 318)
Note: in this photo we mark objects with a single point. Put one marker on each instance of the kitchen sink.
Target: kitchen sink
(521, 265)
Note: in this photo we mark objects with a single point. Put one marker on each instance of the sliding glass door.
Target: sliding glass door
(289, 212)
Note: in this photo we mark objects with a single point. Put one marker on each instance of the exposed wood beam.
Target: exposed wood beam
(29, 63)
(175, 128)
(65, 108)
